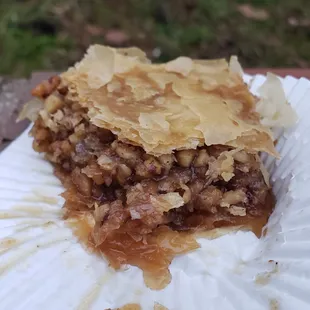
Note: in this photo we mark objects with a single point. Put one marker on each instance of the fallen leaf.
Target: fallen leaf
(293, 21)
(116, 37)
(94, 30)
(251, 12)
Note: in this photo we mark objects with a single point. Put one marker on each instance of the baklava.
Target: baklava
(150, 154)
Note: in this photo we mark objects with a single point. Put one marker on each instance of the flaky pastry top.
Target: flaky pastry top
(181, 104)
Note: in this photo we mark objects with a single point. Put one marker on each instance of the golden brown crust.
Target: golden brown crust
(178, 105)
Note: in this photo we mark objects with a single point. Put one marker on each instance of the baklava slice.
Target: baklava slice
(150, 154)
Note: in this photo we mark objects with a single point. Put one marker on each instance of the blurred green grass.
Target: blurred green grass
(53, 34)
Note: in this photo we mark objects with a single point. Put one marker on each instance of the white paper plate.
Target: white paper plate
(43, 266)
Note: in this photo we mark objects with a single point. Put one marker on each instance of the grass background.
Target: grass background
(53, 34)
